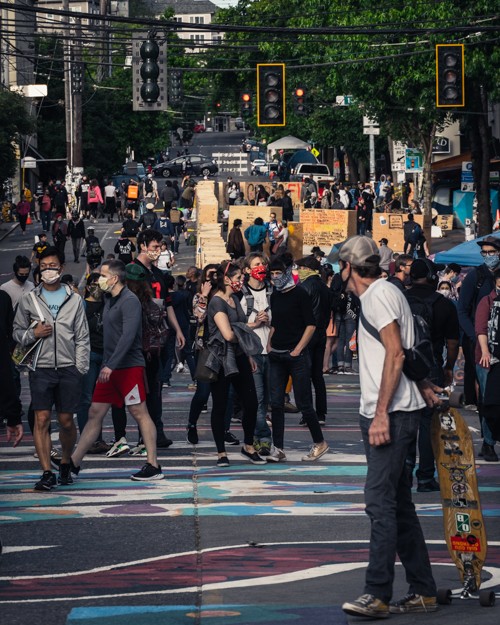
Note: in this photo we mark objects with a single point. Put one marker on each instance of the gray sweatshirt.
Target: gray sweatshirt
(69, 342)
(122, 323)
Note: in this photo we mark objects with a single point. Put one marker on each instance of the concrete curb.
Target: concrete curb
(11, 229)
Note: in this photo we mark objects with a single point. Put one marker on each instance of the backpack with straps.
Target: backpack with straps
(94, 250)
(154, 330)
(149, 219)
(148, 185)
(419, 358)
(250, 299)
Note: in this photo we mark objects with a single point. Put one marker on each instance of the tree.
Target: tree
(14, 121)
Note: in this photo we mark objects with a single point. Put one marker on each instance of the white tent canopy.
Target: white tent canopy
(287, 143)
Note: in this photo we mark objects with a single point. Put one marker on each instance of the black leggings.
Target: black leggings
(245, 388)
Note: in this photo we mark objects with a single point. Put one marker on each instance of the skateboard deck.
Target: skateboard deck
(462, 517)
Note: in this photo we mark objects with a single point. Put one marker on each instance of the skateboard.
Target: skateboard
(462, 517)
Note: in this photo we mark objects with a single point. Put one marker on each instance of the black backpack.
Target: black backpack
(94, 250)
(148, 185)
(419, 358)
(415, 234)
(154, 330)
(148, 219)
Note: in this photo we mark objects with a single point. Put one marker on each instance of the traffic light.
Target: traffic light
(175, 87)
(450, 87)
(246, 104)
(149, 63)
(299, 101)
(271, 107)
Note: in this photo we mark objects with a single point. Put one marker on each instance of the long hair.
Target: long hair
(225, 269)
(142, 289)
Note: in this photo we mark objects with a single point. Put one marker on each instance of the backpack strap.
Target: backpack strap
(368, 327)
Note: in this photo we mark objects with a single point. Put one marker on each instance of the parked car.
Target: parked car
(195, 165)
(198, 128)
(259, 167)
(239, 123)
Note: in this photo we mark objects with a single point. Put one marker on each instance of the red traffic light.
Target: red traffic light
(300, 93)
(245, 97)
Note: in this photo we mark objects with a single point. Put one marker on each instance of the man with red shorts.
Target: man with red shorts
(121, 380)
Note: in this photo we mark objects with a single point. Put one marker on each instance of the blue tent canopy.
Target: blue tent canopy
(466, 254)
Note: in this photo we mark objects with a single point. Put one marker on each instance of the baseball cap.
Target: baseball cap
(150, 175)
(493, 241)
(384, 241)
(360, 251)
(135, 272)
(90, 229)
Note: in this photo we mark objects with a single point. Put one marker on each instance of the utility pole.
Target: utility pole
(68, 99)
(77, 88)
(103, 70)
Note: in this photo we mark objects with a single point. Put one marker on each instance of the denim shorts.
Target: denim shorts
(56, 387)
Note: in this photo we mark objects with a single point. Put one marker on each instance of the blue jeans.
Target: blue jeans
(45, 219)
(395, 528)
(261, 379)
(88, 384)
(282, 365)
(346, 329)
(482, 374)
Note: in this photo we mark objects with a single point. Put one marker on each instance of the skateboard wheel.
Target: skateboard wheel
(444, 596)
(456, 399)
(487, 598)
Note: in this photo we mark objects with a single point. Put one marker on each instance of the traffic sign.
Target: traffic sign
(315, 152)
(343, 100)
(398, 166)
(368, 121)
(467, 175)
(371, 130)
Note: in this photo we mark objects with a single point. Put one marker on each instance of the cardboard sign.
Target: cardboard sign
(248, 214)
(325, 227)
(391, 227)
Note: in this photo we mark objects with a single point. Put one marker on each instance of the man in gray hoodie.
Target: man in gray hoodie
(54, 313)
(121, 380)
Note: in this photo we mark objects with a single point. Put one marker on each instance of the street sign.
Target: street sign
(441, 145)
(398, 166)
(368, 121)
(414, 160)
(315, 152)
(466, 174)
(28, 162)
(343, 100)
(371, 130)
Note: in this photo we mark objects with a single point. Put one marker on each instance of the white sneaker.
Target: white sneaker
(138, 450)
(119, 448)
(317, 450)
(276, 455)
(180, 368)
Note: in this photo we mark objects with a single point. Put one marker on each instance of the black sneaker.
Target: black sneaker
(55, 458)
(74, 469)
(148, 473)
(223, 461)
(230, 439)
(413, 603)
(46, 482)
(65, 476)
(253, 457)
(488, 453)
(192, 434)
(204, 410)
(162, 442)
(303, 422)
(428, 487)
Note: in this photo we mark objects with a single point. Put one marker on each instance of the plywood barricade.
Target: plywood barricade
(210, 246)
(391, 227)
(325, 227)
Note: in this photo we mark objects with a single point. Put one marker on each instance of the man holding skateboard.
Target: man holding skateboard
(390, 410)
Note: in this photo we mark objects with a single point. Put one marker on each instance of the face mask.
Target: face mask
(259, 273)
(236, 286)
(492, 261)
(455, 279)
(50, 276)
(445, 292)
(95, 291)
(104, 284)
(21, 279)
(284, 281)
(153, 255)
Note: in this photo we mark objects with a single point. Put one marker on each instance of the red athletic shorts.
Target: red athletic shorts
(125, 386)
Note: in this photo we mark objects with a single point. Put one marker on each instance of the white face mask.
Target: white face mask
(445, 292)
(104, 284)
(50, 276)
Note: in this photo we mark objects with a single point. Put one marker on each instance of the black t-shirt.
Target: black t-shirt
(292, 312)
(444, 319)
(157, 282)
(93, 311)
(124, 248)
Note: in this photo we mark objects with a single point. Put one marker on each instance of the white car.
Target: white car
(259, 167)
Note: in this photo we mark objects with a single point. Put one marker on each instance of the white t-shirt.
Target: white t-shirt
(109, 190)
(260, 303)
(16, 291)
(381, 304)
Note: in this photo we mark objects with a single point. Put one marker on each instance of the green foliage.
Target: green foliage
(14, 121)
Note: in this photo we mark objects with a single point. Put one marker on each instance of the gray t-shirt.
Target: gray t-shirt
(217, 304)
(16, 291)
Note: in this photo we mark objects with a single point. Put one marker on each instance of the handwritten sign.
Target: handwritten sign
(248, 214)
(391, 227)
(326, 227)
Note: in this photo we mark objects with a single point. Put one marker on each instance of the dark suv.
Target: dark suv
(191, 164)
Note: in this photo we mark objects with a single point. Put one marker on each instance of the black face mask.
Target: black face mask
(22, 279)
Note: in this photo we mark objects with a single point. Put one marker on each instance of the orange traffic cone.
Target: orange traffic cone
(28, 221)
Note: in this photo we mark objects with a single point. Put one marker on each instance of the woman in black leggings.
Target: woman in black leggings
(224, 309)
